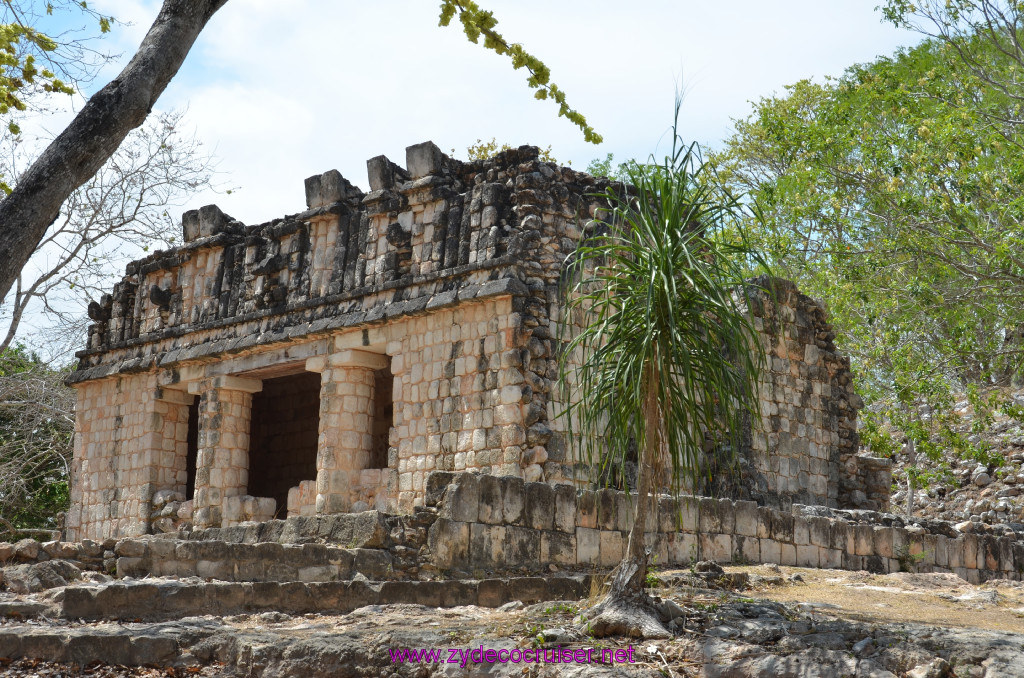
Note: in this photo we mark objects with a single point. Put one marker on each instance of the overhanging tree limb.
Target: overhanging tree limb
(97, 132)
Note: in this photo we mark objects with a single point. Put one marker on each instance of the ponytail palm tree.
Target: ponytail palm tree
(661, 356)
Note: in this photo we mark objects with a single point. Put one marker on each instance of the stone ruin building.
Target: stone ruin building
(328, 361)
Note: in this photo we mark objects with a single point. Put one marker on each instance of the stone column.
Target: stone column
(222, 462)
(346, 425)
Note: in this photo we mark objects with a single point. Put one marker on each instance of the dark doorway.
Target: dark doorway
(383, 416)
(192, 452)
(283, 436)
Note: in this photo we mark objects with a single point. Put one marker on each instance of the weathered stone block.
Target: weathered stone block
(882, 542)
(820, 531)
(215, 569)
(1007, 562)
(668, 514)
(565, 508)
(487, 545)
(782, 529)
(493, 593)
(682, 548)
(462, 502)
(448, 542)
(611, 548)
(586, 509)
(622, 514)
(864, 540)
(527, 589)
(423, 159)
(588, 546)
(456, 593)
(746, 518)
(513, 491)
(801, 531)
(807, 555)
(748, 549)
(130, 548)
(955, 553)
(148, 650)
(831, 559)
(942, 551)
(607, 509)
(708, 512)
(384, 174)
(764, 522)
(689, 513)
(716, 547)
(365, 529)
(558, 548)
(771, 551)
(787, 554)
(491, 506)
(727, 516)
(436, 486)
(853, 562)
(522, 546)
(971, 555)
(131, 567)
(540, 506)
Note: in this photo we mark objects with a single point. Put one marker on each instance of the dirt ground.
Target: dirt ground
(933, 598)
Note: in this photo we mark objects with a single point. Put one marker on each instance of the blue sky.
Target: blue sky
(282, 90)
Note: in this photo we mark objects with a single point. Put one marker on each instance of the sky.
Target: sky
(279, 91)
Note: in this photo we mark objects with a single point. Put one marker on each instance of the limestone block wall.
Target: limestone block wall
(131, 446)
(495, 523)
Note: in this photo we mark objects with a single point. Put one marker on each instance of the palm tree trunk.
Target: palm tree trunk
(631, 575)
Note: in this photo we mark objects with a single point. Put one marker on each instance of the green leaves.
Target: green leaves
(478, 22)
(891, 193)
(24, 45)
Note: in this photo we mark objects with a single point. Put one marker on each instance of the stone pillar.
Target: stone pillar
(346, 425)
(222, 462)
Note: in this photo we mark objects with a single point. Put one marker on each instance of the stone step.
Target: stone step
(260, 562)
(154, 623)
(367, 529)
(169, 599)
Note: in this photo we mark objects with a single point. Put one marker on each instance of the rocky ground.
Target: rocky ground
(964, 490)
(744, 621)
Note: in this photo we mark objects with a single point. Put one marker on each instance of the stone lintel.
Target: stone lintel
(228, 383)
(317, 363)
(178, 396)
(354, 358)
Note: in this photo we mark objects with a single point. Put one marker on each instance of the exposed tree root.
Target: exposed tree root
(626, 610)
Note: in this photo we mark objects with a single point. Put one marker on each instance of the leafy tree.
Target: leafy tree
(660, 347)
(889, 193)
(123, 104)
(483, 150)
(36, 432)
(975, 31)
(608, 168)
(35, 64)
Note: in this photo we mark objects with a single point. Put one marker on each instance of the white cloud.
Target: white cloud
(285, 90)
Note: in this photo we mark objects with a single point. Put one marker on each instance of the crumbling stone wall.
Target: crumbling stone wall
(445, 273)
(808, 431)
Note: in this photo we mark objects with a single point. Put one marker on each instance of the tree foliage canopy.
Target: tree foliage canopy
(895, 194)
